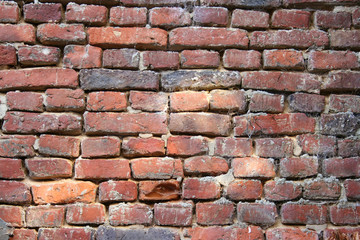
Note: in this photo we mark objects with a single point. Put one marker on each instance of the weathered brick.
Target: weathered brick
(61, 34)
(7, 55)
(42, 13)
(88, 14)
(253, 167)
(149, 38)
(85, 214)
(297, 213)
(125, 58)
(344, 232)
(160, 60)
(45, 216)
(215, 213)
(106, 101)
(240, 190)
(318, 145)
(125, 123)
(325, 188)
(332, 60)
(348, 148)
(59, 146)
(65, 233)
(38, 78)
(65, 100)
(187, 145)
(43, 168)
(148, 101)
(233, 147)
(199, 123)
(205, 165)
(244, 3)
(126, 214)
(315, 2)
(210, 16)
(156, 168)
(227, 101)
(341, 124)
(173, 214)
(291, 233)
(298, 167)
(17, 146)
(169, 17)
(64, 192)
(201, 37)
(327, 19)
(155, 3)
(123, 16)
(27, 101)
(159, 190)
(9, 12)
(266, 102)
(12, 215)
(24, 234)
(105, 79)
(282, 190)
(352, 189)
(283, 59)
(99, 169)
(201, 188)
(24, 122)
(345, 214)
(304, 102)
(342, 167)
(100, 147)
(257, 213)
(79, 57)
(345, 39)
(11, 169)
(236, 233)
(343, 81)
(250, 19)
(356, 17)
(242, 59)
(117, 191)
(104, 232)
(12, 192)
(344, 103)
(199, 59)
(17, 33)
(136, 147)
(284, 18)
(38, 55)
(189, 101)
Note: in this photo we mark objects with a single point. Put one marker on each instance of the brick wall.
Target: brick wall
(180, 119)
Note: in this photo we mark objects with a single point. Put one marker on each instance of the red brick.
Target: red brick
(283, 59)
(289, 39)
(173, 214)
(332, 60)
(344, 103)
(23, 122)
(257, 213)
(239, 190)
(66, 233)
(87, 14)
(224, 100)
(65, 100)
(317, 144)
(187, 145)
(27, 101)
(274, 147)
(159, 190)
(249, 19)
(79, 57)
(233, 147)
(156, 168)
(99, 169)
(125, 123)
(342, 167)
(122, 16)
(297, 213)
(348, 148)
(303, 102)
(207, 37)
(61, 34)
(345, 39)
(100, 147)
(201, 188)
(236, 233)
(24, 234)
(242, 59)
(336, 233)
(298, 167)
(281, 81)
(11, 169)
(126, 214)
(149, 38)
(284, 18)
(45, 216)
(42, 13)
(160, 60)
(253, 167)
(148, 101)
(322, 189)
(38, 78)
(274, 124)
(136, 147)
(210, 16)
(341, 124)
(343, 81)
(188, 101)
(352, 189)
(12, 215)
(356, 17)
(282, 190)
(169, 17)
(199, 59)
(38, 55)
(244, 3)
(9, 12)
(14, 192)
(326, 19)
(291, 233)
(64, 192)
(7, 55)
(266, 102)
(59, 146)
(17, 33)
(106, 101)
(44, 168)
(345, 214)
(17, 146)
(205, 165)
(117, 191)
(121, 58)
(215, 213)
(85, 214)
(314, 2)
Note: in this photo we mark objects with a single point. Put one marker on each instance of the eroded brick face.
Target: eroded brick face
(180, 119)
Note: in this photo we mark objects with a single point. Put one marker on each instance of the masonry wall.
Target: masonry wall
(180, 119)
